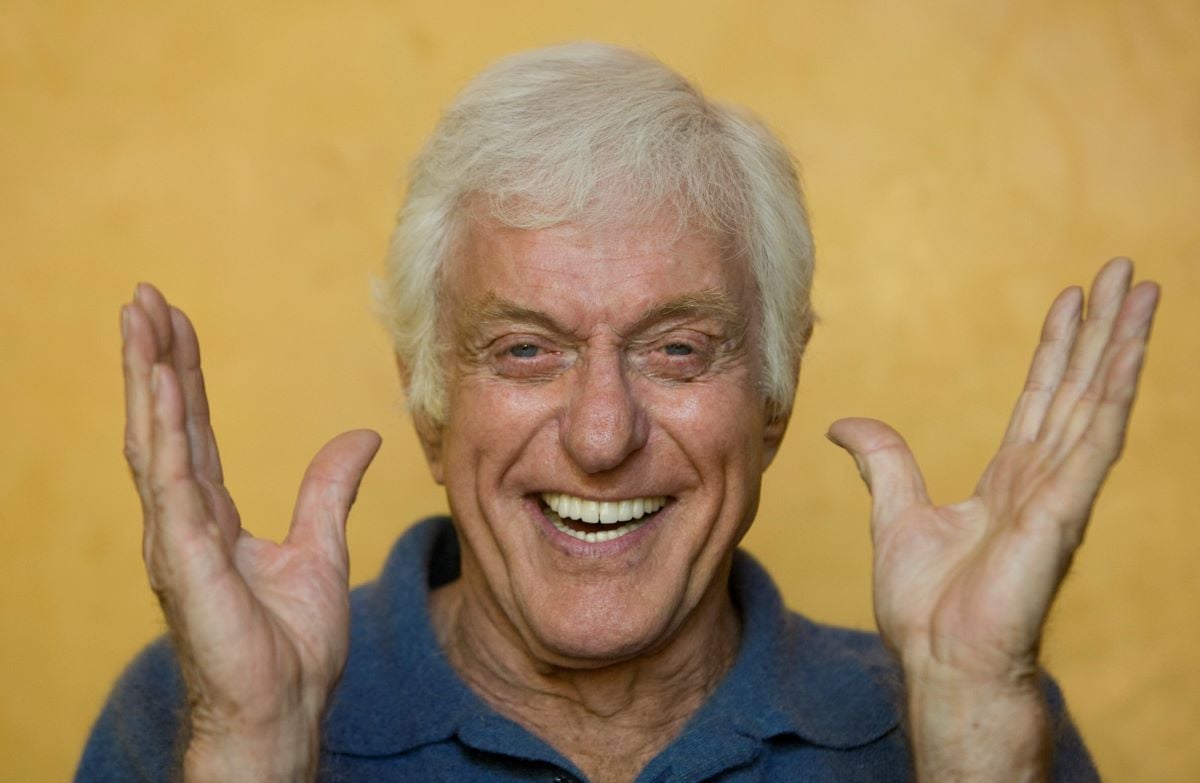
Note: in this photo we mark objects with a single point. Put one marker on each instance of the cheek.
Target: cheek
(719, 427)
(493, 420)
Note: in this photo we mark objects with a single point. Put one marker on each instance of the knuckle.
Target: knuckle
(1036, 386)
(159, 589)
(159, 584)
(1106, 443)
(133, 454)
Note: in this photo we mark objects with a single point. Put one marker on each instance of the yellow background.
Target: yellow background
(963, 160)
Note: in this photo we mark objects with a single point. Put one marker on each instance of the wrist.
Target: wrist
(281, 753)
(974, 725)
(946, 675)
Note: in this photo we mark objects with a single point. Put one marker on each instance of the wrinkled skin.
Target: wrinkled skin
(606, 363)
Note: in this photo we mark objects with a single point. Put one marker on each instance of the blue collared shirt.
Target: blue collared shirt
(802, 702)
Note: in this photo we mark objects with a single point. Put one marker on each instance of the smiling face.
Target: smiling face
(605, 435)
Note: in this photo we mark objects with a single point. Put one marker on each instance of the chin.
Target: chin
(592, 634)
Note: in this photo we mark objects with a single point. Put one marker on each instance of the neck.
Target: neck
(610, 719)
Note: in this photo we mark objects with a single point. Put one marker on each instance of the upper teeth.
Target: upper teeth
(606, 512)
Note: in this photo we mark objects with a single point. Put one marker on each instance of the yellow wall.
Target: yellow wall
(964, 161)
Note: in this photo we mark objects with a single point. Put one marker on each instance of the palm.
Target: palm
(261, 628)
(279, 618)
(961, 580)
(969, 585)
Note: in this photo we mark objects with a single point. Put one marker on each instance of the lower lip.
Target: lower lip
(573, 547)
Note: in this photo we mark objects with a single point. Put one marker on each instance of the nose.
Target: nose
(604, 422)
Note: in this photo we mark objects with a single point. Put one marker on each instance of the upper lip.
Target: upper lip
(607, 498)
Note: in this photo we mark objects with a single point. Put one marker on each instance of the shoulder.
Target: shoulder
(137, 734)
(398, 691)
(390, 613)
(823, 661)
(834, 687)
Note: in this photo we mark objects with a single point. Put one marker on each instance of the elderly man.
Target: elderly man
(599, 293)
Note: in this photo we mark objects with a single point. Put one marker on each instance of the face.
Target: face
(605, 436)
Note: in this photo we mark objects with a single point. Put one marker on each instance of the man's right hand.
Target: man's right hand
(261, 628)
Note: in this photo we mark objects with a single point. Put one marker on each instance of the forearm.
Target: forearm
(971, 730)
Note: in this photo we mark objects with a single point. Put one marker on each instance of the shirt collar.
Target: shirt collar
(828, 686)
(398, 690)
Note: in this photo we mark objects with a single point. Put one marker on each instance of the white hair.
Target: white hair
(592, 133)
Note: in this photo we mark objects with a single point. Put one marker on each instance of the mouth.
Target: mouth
(596, 521)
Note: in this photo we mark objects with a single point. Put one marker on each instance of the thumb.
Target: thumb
(328, 490)
(885, 463)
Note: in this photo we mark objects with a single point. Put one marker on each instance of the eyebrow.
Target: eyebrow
(708, 304)
(494, 309)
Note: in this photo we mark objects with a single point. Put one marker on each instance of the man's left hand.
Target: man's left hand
(962, 591)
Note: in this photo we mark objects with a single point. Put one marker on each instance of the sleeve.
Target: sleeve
(138, 734)
(1071, 763)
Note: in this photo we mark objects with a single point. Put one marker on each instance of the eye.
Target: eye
(681, 355)
(524, 357)
(523, 351)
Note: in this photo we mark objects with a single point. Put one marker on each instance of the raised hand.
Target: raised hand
(261, 628)
(961, 591)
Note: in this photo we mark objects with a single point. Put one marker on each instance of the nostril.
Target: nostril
(602, 443)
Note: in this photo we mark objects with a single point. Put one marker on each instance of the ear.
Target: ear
(773, 433)
(776, 423)
(429, 432)
(430, 435)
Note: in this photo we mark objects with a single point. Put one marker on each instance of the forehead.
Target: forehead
(606, 270)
